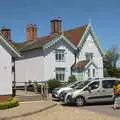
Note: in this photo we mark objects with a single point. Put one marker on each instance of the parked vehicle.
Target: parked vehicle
(57, 92)
(91, 92)
(54, 92)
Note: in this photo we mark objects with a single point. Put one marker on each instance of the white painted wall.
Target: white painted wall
(5, 72)
(91, 67)
(40, 66)
(89, 46)
(50, 63)
(31, 67)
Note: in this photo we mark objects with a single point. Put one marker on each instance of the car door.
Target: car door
(107, 90)
(93, 94)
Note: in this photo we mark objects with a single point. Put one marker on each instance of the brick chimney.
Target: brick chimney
(31, 32)
(6, 33)
(56, 26)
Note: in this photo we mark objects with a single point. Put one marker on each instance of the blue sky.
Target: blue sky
(105, 15)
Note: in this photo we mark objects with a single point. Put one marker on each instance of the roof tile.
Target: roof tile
(80, 64)
(74, 35)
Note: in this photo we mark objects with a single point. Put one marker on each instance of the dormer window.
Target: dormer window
(89, 56)
(60, 55)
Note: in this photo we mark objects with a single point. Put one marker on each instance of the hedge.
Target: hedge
(72, 79)
(53, 83)
(12, 102)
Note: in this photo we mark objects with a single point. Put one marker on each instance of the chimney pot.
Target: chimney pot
(56, 26)
(6, 33)
(31, 32)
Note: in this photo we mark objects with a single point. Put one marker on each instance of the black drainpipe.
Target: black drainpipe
(75, 54)
(14, 81)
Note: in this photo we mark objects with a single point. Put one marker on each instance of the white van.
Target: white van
(91, 92)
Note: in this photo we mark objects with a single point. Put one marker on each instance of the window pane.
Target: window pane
(108, 83)
(88, 72)
(60, 58)
(94, 85)
(60, 73)
(89, 56)
(60, 55)
(93, 72)
(56, 56)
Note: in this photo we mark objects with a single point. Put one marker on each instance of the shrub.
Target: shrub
(30, 88)
(53, 83)
(12, 102)
(71, 79)
(39, 88)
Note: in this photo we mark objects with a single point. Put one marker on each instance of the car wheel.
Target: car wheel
(80, 101)
(67, 101)
(61, 96)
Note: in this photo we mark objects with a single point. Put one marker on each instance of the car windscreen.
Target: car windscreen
(82, 85)
(75, 84)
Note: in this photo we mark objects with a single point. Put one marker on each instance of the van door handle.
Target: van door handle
(104, 91)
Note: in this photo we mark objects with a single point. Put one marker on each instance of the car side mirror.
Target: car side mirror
(89, 88)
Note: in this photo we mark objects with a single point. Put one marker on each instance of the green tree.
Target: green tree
(112, 56)
(110, 63)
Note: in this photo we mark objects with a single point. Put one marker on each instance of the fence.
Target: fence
(36, 87)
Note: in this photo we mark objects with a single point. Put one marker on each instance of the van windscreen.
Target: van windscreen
(82, 84)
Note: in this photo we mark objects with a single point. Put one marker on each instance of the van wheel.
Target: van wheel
(80, 101)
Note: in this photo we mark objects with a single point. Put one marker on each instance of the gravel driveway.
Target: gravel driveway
(67, 113)
(104, 109)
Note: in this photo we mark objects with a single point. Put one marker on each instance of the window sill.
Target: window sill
(60, 61)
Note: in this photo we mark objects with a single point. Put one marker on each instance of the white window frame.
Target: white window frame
(89, 56)
(60, 55)
(94, 72)
(89, 73)
(60, 74)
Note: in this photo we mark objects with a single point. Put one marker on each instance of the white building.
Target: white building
(7, 55)
(60, 54)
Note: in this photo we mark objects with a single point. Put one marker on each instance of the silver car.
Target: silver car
(58, 92)
(92, 91)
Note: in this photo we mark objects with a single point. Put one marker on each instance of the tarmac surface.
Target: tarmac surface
(52, 110)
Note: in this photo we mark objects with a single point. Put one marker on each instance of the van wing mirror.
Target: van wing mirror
(89, 88)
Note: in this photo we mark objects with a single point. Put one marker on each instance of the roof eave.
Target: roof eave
(53, 41)
(13, 52)
(89, 27)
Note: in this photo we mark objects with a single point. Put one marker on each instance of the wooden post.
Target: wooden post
(42, 92)
(46, 90)
(35, 87)
(25, 88)
(14, 88)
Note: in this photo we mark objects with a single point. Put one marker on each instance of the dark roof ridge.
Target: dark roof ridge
(76, 28)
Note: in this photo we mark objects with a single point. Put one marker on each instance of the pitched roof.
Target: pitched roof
(80, 64)
(34, 44)
(74, 35)
(9, 46)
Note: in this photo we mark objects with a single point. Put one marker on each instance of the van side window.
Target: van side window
(108, 83)
(94, 85)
